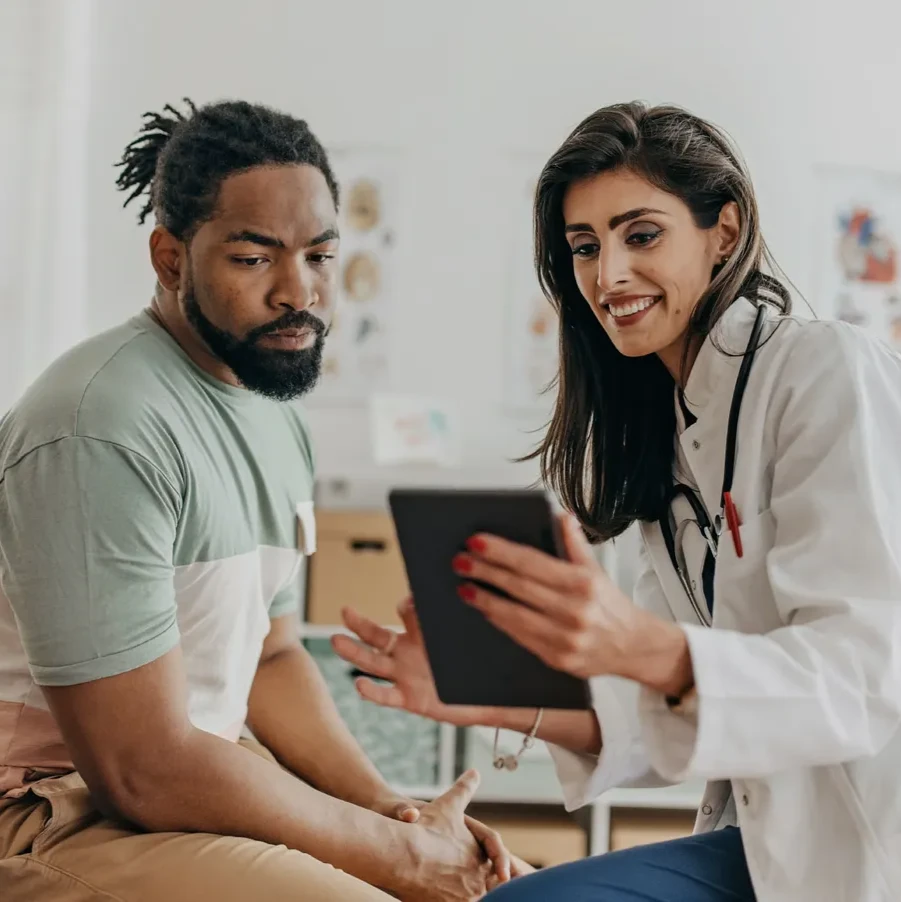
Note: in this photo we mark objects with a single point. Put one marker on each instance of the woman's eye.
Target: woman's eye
(588, 249)
(643, 237)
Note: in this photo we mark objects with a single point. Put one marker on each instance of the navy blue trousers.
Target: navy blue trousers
(709, 867)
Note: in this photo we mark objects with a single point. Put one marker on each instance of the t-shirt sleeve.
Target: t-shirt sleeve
(87, 530)
(287, 600)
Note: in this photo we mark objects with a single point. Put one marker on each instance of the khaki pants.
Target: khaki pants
(56, 847)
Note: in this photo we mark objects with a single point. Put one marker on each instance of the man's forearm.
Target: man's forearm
(211, 785)
(291, 712)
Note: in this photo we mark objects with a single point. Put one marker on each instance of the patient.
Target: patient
(150, 485)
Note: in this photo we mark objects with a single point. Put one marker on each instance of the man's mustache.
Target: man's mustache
(295, 319)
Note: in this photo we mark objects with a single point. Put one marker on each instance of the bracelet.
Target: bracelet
(511, 762)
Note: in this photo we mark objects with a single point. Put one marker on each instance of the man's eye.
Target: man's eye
(249, 261)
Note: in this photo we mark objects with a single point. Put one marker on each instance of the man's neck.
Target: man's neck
(165, 309)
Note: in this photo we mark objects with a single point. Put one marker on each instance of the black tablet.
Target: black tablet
(473, 662)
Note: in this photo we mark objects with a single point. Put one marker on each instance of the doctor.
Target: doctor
(761, 648)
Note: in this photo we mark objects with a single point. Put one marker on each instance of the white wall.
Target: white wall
(458, 86)
(45, 74)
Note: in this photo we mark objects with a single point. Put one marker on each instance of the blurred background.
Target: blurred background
(439, 116)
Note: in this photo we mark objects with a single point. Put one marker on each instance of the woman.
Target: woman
(648, 244)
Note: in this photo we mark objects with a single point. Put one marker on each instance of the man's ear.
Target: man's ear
(167, 256)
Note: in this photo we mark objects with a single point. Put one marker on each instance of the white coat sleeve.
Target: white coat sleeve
(623, 761)
(826, 687)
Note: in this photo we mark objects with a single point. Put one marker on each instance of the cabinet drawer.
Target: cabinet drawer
(357, 564)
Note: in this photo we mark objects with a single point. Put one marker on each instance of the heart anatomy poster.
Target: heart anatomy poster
(858, 236)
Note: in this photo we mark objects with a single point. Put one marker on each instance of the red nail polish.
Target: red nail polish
(467, 593)
(462, 564)
(476, 544)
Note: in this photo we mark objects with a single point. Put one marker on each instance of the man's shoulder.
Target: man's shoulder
(106, 388)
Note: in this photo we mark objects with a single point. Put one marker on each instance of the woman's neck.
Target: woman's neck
(677, 362)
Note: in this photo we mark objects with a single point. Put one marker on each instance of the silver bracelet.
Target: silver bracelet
(511, 762)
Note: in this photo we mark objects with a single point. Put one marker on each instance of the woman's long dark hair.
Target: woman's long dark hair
(609, 449)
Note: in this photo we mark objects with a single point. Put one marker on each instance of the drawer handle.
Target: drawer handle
(367, 545)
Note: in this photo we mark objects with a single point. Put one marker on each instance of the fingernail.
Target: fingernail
(462, 564)
(476, 544)
(467, 593)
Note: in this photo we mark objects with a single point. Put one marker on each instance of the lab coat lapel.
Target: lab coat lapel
(708, 395)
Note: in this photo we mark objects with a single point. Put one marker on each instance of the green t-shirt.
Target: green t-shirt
(145, 503)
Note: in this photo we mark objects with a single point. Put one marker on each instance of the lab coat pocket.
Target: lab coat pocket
(744, 599)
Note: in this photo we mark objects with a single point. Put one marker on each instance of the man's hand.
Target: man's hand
(447, 862)
(398, 808)
(505, 864)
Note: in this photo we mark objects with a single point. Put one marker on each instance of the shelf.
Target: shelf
(317, 631)
(683, 797)
(427, 793)
(670, 799)
(419, 793)
(323, 631)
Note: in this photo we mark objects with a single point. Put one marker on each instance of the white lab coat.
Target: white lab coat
(799, 682)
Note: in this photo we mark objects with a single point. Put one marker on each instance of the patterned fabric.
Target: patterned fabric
(404, 748)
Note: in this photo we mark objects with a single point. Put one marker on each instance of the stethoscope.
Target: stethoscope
(711, 530)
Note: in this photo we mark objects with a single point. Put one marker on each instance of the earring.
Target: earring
(725, 260)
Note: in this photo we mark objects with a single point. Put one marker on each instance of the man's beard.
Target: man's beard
(277, 374)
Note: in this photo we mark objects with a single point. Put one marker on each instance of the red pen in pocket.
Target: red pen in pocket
(733, 522)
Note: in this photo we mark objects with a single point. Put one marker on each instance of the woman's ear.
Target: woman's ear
(728, 229)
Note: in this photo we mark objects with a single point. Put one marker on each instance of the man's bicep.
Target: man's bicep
(87, 530)
(284, 635)
(124, 728)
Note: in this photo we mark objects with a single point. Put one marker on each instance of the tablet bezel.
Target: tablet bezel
(474, 663)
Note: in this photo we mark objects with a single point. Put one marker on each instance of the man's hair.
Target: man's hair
(180, 160)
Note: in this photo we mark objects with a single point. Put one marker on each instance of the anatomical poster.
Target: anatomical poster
(858, 233)
(532, 336)
(355, 362)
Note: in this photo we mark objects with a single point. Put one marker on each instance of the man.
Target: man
(155, 507)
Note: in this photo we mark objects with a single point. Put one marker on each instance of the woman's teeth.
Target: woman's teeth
(632, 307)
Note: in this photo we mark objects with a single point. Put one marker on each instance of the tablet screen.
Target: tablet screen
(473, 662)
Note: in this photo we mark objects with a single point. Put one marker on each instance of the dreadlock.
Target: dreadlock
(179, 161)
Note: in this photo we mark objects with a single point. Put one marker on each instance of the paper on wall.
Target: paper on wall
(408, 429)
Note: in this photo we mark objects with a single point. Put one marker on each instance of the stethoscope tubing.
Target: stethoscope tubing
(711, 530)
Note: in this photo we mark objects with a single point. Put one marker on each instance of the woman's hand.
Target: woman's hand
(572, 615)
(400, 659)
